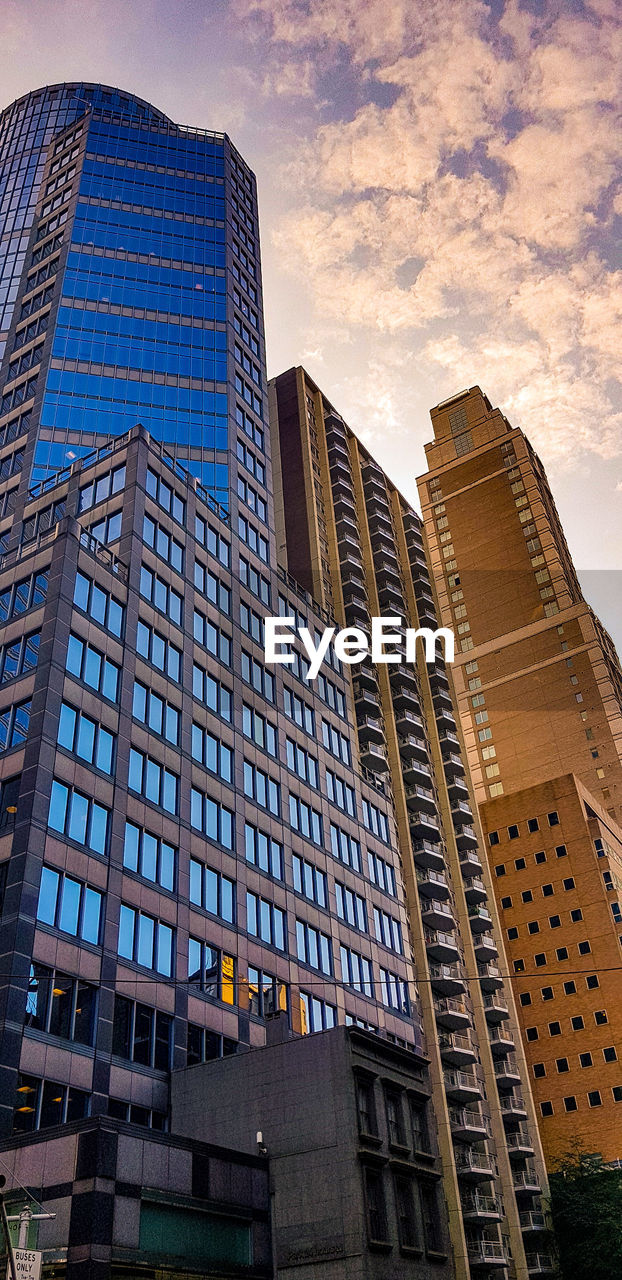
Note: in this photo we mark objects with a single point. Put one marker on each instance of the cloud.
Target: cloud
(464, 208)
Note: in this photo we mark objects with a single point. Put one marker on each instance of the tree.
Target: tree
(586, 1208)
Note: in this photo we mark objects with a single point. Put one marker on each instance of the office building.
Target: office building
(190, 842)
(539, 691)
(351, 539)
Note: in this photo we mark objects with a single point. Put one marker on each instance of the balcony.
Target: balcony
(480, 918)
(513, 1106)
(386, 563)
(462, 1086)
(450, 744)
(495, 1007)
(447, 980)
(480, 1208)
(405, 697)
(357, 613)
(462, 814)
(425, 826)
(340, 466)
(403, 674)
(453, 765)
(475, 891)
(380, 527)
(442, 700)
(441, 946)
(344, 506)
(486, 1253)
(415, 771)
(507, 1073)
(428, 854)
(391, 600)
(456, 1048)
(466, 839)
(373, 757)
(485, 946)
(501, 1042)
(540, 1264)
(526, 1181)
(366, 677)
(426, 615)
(349, 554)
(421, 797)
(377, 503)
(452, 1014)
(490, 978)
(353, 584)
(519, 1143)
(437, 915)
(458, 789)
(470, 863)
(418, 562)
(433, 884)
(476, 1166)
(444, 717)
(532, 1220)
(468, 1125)
(410, 723)
(366, 700)
(370, 729)
(374, 480)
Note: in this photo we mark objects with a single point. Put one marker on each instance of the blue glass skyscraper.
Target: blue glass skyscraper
(130, 245)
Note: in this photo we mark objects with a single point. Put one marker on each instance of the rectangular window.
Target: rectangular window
(251, 623)
(266, 921)
(146, 941)
(314, 947)
(41, 1103)
(92, 667)
(301, 762)
(340, 794)
(309, 881)
(317, 1015)
(98, 604)
(388, 931)
(356, 971)
(376, 821)
(149, 856)
(213, 971)
(263, 851)
(204, 1045)
(253, 539)
(212, 693)
(259, 730)
(394, 992)
(165, 496)
(212, 818)
(159, 651)
(298, 711)
(256, 675)
(212, 891)
(261, 788)
(266, 993)
(381, 873)
(60, 1005)
(142, 1034)
(69, 905)
(159, 716)
(14, 725)
(212, 753)
(351, 907)
(79, 818)
(256, 583)
(212, 541)
(153, 781)
(210, 586)
(164, 598)
(336, 743)
(21, 656)
(375, 1204)
(28, 593)
(306, 820)
(164, 545)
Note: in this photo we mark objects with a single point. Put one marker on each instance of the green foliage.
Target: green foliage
(586, 1207)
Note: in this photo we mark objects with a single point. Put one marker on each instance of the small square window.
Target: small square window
(586, 1059)
(561, 851)
(533, 926)
(594, 1098)
(500, 869)
(540, 856)
(547, 890)
(577, 1022)
(569, 882)
(584, 948)
(562, 953)
(519, 966)
(610, 1054)
(570, 1103)
(553, 818)
(570, 987)
(592, 982)
(576, 915)
(513, 832)
(562, 1065)
(617, 1092)
(533, 824)
(505, 903)
(493, 837)
(519, 864)
(512, 933)
(546, 1108)
(600, 1017)
(540, 959)
(547, 993)
(555, 1029)
(539, 1070)
(525, 998)
(532, 1033)
(555, 922)
(527, 896)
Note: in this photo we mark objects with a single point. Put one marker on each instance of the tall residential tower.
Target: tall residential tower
(539, 690)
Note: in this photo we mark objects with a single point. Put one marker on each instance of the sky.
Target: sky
(440, 205)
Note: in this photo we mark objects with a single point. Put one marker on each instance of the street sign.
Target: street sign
(27, 1264)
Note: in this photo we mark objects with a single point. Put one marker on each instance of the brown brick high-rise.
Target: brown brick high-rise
(539, 689)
